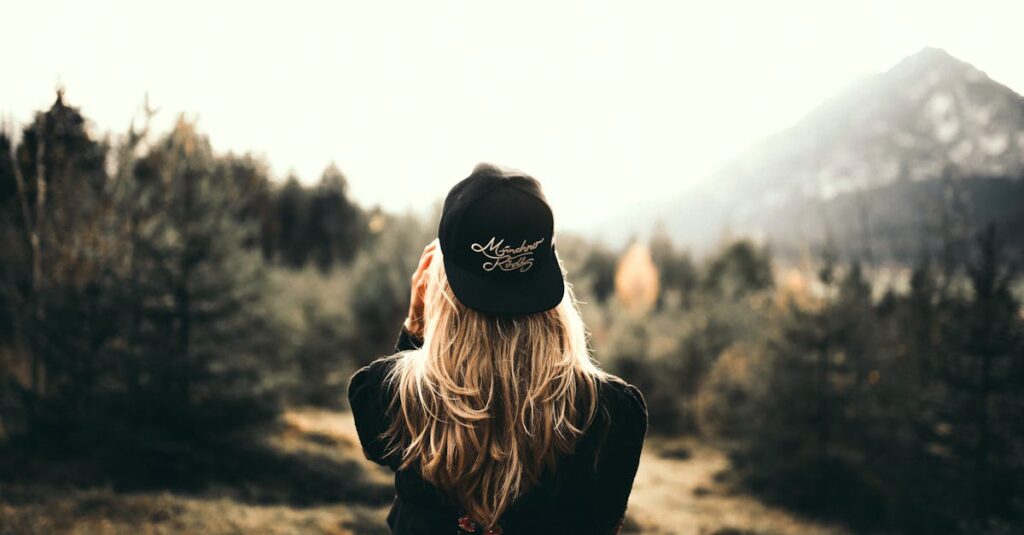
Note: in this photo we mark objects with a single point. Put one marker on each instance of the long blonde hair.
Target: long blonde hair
(488, 403)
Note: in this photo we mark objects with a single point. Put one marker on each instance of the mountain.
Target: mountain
(928, 112)
(896, 163)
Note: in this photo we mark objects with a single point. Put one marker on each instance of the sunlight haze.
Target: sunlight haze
(610, 105)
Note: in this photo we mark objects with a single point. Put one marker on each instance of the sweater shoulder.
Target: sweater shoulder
(378, 368)
(372, 377)
(623, 400)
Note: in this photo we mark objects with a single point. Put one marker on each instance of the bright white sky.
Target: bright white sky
(610, 104)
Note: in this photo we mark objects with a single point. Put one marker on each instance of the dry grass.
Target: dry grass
(675, 493)
(105, 512)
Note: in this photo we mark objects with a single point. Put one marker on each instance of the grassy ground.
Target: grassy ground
(675, 493)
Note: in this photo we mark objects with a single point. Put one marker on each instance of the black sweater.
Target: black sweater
(585, 495)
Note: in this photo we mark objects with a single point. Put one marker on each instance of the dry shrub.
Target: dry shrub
(722, 397)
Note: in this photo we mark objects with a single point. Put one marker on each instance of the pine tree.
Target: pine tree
(980, 366)
(204, 337)
(292, 207)
(816, 411)
(677, 272)
(598, 270)
(55, 210)
(335, 223)
(738, 270)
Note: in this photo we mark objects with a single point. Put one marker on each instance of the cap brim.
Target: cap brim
(538, 292)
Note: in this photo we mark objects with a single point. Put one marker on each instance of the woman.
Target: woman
(492, 412)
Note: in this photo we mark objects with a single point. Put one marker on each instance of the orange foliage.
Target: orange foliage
(636, 279)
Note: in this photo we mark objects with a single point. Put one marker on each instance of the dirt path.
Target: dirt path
(680, 497)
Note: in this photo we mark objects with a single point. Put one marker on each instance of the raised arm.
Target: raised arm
(406, 340)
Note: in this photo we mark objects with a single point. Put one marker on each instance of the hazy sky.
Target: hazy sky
(607, 103)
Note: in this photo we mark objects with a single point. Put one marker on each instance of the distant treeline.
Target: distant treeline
(902, 222)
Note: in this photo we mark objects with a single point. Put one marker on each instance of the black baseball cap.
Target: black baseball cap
(498, 243)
